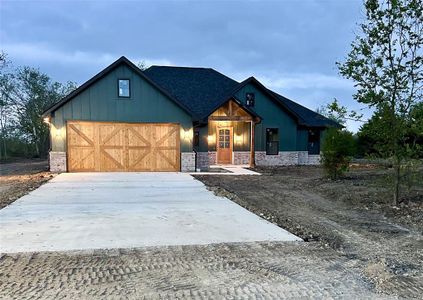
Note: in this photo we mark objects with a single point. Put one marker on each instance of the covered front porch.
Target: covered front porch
(228, 136)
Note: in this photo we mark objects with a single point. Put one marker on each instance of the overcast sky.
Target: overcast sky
(290, 46)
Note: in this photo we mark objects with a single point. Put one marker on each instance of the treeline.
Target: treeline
(372, 138)
(25, 92)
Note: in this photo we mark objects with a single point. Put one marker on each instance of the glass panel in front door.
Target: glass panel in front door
(224, 138)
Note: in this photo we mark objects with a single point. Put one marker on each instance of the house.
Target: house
(178, 119)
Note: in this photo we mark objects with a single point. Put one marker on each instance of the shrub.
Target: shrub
(337, 150)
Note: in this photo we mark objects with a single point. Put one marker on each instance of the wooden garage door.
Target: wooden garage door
(103, 147)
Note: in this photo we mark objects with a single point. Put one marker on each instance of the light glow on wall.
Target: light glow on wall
(186, 134)
(237, 139)
(57, 132)
(211, 139)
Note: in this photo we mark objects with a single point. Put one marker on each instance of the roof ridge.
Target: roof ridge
(179, 67)
(225, 76)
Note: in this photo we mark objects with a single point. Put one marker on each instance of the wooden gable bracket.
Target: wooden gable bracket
(231, 111)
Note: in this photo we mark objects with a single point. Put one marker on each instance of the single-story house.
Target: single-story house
(178, 119)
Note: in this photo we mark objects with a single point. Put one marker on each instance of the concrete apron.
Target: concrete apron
(77, 211)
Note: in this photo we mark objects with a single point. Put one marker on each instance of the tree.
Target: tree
(3, 60)
(142, 65)
(338, 113)
(371, 143)
(4, 111)
(385, 62)
(26, 93)
(337, 149)
(414, 136)
(369, 137)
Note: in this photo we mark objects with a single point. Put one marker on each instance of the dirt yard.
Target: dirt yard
(20, 177)
(358, 247)
(352, 216)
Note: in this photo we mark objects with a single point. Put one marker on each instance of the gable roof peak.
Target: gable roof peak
(121, 60)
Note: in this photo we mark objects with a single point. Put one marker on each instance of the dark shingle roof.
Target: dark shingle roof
(307, 116)
(199, 89)
(203, 90)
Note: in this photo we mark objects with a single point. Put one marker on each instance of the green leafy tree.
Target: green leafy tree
(385, 62)
(371, 143)
(337, 150)
(338, 113)
(369, 137)
(26, 93)
(415, 130)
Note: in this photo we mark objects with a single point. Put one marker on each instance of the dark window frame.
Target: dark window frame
(250, 102)
(129, 87)
(268, 146)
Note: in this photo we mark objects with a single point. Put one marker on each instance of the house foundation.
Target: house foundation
(284, 158)
(58, 161)
(241, 157)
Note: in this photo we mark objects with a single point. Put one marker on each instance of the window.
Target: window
(313, 141)
(124, 88)
(272, 141)
(249, 99)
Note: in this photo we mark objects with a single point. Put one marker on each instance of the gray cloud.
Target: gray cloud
(291, 45)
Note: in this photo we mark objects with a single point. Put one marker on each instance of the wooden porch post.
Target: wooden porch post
(252, 151)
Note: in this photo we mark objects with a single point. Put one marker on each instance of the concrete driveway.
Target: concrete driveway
(76, 211)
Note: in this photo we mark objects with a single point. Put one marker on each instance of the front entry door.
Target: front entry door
(224, 145)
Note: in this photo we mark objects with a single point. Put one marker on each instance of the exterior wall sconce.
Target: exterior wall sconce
(46, 120)
(187, 134)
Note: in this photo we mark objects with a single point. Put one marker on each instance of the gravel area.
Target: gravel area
(270, 270)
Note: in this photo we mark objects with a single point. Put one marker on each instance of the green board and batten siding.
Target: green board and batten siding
(302, 139)
(274, 116)
(100, 102)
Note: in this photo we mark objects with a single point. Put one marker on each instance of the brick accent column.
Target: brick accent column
(187, 161)
(57, 162)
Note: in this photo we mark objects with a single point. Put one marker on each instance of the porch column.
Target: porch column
(252, 151)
